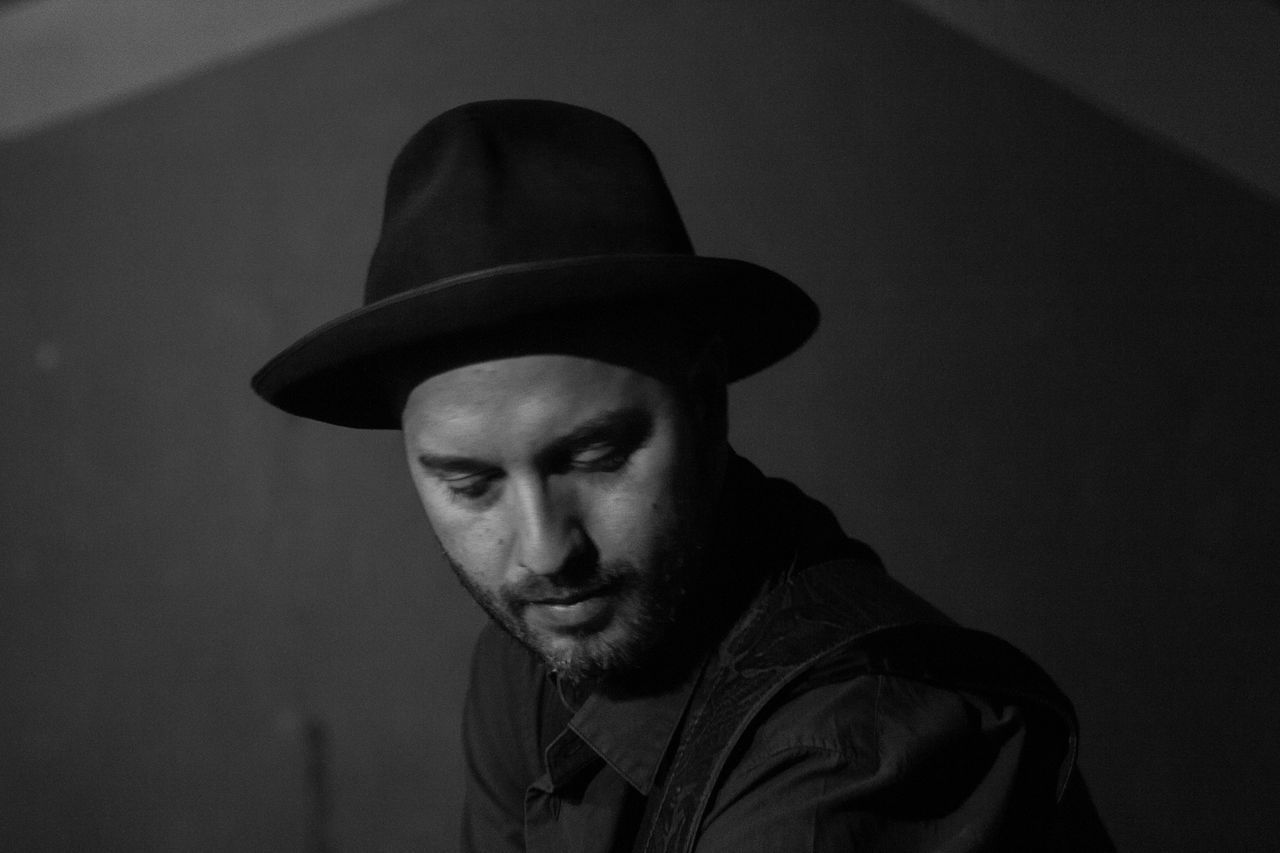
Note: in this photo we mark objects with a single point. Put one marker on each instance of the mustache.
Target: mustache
(566, 587)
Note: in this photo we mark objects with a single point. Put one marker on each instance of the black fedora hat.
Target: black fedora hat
(500, 215)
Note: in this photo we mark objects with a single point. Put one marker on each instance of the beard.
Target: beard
(649, 606)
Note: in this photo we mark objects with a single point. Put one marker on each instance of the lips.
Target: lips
(566, 600)
(577, 611)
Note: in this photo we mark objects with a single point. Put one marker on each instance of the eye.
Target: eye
(604, 456)
(472, 487)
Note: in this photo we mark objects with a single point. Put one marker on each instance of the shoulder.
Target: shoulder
(875, 728)
(874, 700)
(834, 765)
(901, 695)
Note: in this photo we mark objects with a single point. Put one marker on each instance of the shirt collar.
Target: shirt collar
(631, 734)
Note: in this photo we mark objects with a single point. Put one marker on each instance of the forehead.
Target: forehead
(539, 393)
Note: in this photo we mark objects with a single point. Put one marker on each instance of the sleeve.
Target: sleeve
(500, 742)
(882, 764)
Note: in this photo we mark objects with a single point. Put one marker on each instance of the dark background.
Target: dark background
(1045, 389)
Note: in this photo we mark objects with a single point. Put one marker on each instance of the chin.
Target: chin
(589, 658)
(632, 648)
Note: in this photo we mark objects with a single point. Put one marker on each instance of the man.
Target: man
(682, 655)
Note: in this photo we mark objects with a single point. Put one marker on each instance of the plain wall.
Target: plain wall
(1045, 389)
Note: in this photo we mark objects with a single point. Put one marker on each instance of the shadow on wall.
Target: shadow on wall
(1045, 389)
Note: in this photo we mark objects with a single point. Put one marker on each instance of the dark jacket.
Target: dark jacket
(839, 712)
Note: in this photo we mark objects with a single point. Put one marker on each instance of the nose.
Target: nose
(548, 536)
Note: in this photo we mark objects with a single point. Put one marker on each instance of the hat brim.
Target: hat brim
(338, 373)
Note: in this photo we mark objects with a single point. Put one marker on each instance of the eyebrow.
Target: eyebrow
(628, 426)
(441, 465)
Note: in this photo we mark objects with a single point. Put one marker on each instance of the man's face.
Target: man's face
(563, 492)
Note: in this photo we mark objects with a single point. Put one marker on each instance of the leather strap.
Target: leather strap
(850, 614)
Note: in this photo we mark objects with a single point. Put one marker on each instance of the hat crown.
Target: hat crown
(495, 183)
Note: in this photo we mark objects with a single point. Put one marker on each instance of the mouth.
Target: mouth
(578, 611)
(571, 598)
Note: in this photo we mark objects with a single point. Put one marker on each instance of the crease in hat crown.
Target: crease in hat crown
(498, 210)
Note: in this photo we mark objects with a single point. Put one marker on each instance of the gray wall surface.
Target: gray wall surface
(1045, 389)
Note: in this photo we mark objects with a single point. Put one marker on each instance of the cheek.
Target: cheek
(474, 543)
(633, 520)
